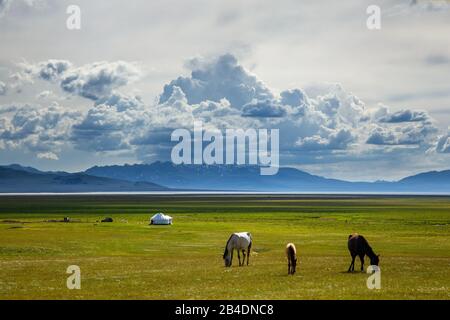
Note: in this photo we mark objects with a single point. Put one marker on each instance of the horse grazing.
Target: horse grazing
(240, 241)
(358, 246)
(291, 254)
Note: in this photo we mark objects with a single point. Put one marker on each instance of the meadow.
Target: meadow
(129, 259)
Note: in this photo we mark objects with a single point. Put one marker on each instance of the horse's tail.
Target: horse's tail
(251, 240)
(225, 253)
(291, 251)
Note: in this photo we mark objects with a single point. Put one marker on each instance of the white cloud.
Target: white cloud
(264, 109)
(329, 123)
(108, 124)
(421, 134)
(217, 79)
(36, 128)
(47, 155)
(97, 80)
(334, 140)
(294, 98)
(51, 70)
(92, 81)
(404, 116)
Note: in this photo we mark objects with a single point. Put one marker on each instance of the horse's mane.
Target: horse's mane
(369, 250)
(364, 241)
(225, 253)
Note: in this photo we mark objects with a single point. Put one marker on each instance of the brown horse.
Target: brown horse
(291, 254)
(358, 246)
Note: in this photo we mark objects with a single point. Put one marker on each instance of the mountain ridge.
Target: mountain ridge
(17, 180)
(247, 178)
(163, 176)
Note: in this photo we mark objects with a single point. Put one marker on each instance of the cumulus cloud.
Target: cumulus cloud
(176, 112)
(326, 121)
(404, 127)
(19, 79)
(323, 122)
(217, 79)
(121, 123)
(420, 134)
(92, 81)
(121, 102)
(52, 69)
(404, 116)
(98, 79)
(36, 128)
(333, 140)
(294, 98)
(328, 105)
(108, 124)
(263, 109)
(381, 136)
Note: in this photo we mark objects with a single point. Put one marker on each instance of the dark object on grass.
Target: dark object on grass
(108, 219)
(66, 219)
(358, 246)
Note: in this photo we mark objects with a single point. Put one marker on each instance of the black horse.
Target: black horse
(358, 246)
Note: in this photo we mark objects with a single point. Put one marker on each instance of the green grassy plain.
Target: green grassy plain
(128, 259)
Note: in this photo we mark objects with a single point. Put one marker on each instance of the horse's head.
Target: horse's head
(227, 260)
(375, 260)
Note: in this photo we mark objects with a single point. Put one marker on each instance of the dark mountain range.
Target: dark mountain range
(24, 179)
(248, 178)
(160, 176)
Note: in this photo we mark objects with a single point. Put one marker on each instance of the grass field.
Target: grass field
(128, 259)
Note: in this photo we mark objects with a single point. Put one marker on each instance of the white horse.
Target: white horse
(240, 241)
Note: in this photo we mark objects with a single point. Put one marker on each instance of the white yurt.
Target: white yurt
(160, 218)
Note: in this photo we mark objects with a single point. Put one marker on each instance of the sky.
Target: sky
(350, 103)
